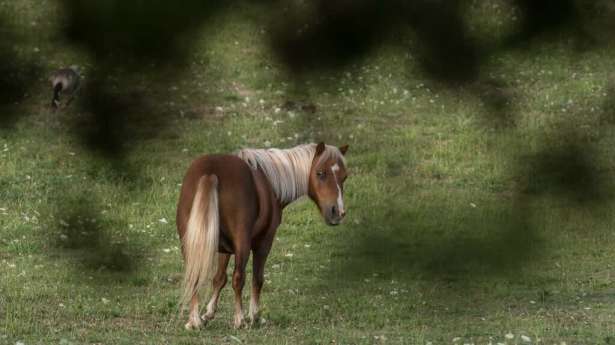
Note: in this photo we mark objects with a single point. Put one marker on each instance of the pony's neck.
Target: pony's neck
(286, 170)
(295, 197)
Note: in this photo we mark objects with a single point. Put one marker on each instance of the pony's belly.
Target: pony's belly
(225, 245)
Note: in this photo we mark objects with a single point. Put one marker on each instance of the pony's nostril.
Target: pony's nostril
(333, 210)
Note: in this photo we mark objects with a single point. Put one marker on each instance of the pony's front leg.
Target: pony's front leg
(241, 259)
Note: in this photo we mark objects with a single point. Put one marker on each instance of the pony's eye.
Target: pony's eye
(320, 173)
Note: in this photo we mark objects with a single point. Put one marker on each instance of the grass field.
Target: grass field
(457, 228)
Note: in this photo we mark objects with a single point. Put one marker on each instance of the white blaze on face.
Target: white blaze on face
(340, 201)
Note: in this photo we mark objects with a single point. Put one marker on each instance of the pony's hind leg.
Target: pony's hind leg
(242, 254)
(258, 277)
(218, 283)
(194, 321)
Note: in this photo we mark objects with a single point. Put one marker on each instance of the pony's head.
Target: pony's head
(326, 182)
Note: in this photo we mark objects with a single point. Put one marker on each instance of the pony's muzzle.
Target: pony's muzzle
(334, 215)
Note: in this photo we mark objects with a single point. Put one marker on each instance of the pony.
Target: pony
(231, 204)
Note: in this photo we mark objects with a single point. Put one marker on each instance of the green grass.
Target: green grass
(452, 231)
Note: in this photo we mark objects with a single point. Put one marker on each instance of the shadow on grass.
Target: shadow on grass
(17, 76)
(568, 172)
(441, 242)
(608, 107)
(438, 241)
(453, 236)
(77, 229)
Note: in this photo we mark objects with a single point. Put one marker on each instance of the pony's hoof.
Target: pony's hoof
(239, 322)
(256, 322)
(207, 316)
(193, 325)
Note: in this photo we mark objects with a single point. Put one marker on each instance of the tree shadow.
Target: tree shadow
(17, 76)
(607, 117)
(566, 172)
(440, 242)
(122, 31)
(311, 38)
(403, 234)
(329, 35)
(78, 230)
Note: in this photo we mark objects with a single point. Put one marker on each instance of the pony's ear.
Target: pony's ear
(343, 149)
(320, 148)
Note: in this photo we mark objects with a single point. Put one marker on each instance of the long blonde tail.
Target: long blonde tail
(200, 241)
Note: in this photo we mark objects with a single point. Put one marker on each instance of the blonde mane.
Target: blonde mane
(288, 170)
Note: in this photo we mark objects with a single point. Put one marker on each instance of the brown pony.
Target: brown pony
(232, 204)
